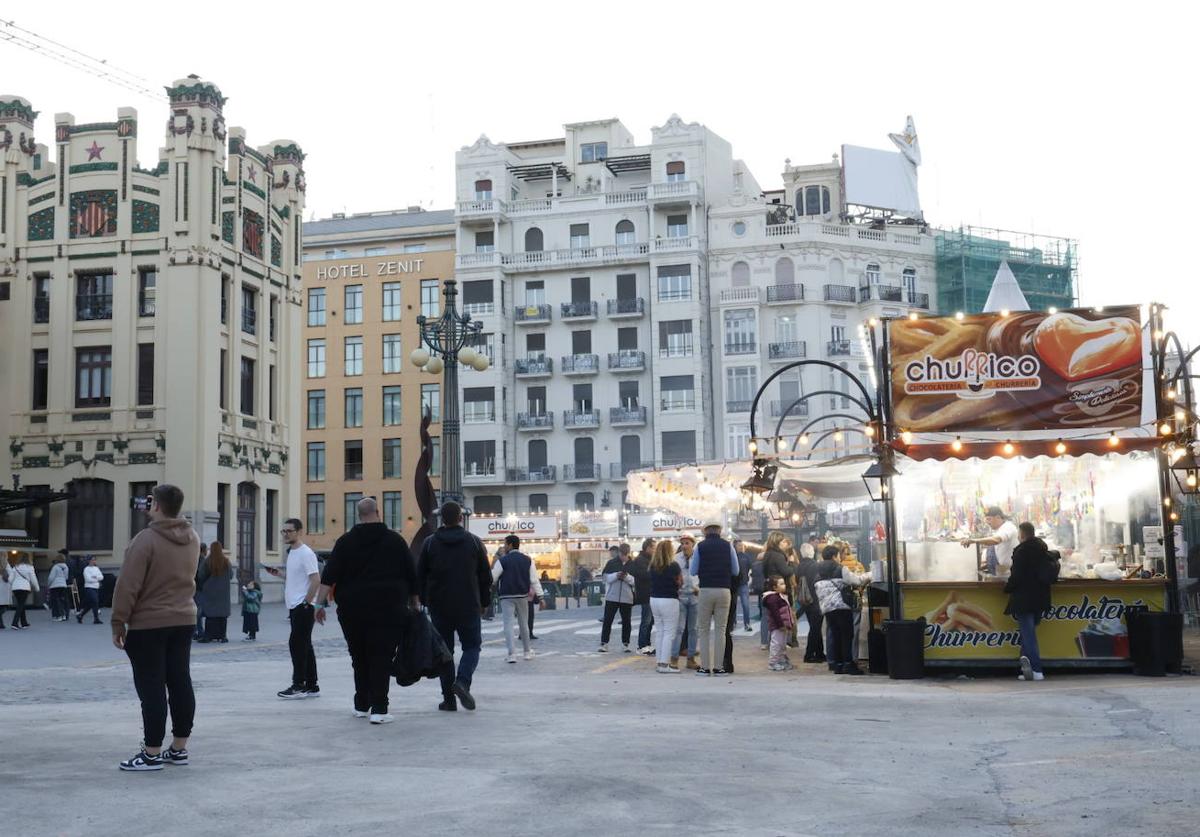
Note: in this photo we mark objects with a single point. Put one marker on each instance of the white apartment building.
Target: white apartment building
(586, 258)
(791, 280)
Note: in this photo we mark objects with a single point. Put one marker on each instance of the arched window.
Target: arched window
(741, 275)
(625, 232)
(872, 273)
(90, 515)
(812, 200)
(785, 272)
(537, 454)
(533, 240)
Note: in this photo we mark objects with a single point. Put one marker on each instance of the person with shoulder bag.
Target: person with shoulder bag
(5, 591)
(835, 592)
(807, 604)
(23, 581)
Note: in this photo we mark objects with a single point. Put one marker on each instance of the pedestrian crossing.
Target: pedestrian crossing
(591, 627)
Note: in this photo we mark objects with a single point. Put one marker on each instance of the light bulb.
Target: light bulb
(753, 446)
(1003, 312)
(1191, 479)
(782, 444)
(1051, 310)
(466, 355)
(1170, 395)
(804, 439)
(1164, 429)
(1113, 439)
(869, 430)
(837, 436)
(906, 437)
(1177, 454)
(958, 315)
(481, 362)
(1174, 516)
(1167, 502)
(1060, 448)
(912, 315)
(956, 445)
(795, 517)
(419, 357)
(1009, 449)
(434, 366)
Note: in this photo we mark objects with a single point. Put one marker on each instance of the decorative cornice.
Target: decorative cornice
(201, 93)
(83, 168)
(290, 153)
(17, 109)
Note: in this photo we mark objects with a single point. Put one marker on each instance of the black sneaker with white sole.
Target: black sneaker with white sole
(173, 756)
(312, 691)
(464, 695)
(142, 761)
(293, 693)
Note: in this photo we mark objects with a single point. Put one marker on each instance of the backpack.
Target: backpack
(1048, 572)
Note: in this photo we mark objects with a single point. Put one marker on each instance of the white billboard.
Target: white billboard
(880, 180)
(663, 525)
(526, 526)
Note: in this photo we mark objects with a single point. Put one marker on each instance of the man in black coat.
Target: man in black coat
(455, 583)
(807, 569)
(1028, 589)
(640, 570)
(376, 587)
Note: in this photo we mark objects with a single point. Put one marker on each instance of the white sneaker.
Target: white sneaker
(661, 668)
(646, 649)
(1026, 668)
(603, 649)
(381, 719)
(511, 658)
(360, 714)
(628, 650)
(1037, 675)
(529, 655)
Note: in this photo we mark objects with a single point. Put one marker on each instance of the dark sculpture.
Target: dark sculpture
(423, 486)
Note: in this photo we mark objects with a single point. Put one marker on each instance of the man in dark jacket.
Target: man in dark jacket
(640, 570)
(743, 590)
(455, 583)
(807, 569)
(715, 563)
(376, 587)
(1028, 596)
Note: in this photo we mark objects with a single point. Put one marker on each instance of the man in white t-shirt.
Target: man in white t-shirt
(1004, 539)
(301, 578)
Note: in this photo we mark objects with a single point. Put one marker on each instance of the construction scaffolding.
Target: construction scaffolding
(967, 259)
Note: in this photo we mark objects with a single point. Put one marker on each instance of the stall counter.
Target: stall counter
(1085, 625)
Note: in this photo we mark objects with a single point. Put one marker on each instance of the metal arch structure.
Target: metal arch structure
(801, 364)
(820, 419)
(832, 432)
(804, 398)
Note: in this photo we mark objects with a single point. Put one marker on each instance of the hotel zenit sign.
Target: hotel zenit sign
(363, 270)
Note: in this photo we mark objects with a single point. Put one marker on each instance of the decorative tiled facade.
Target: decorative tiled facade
(41, 225)
(253, 231)
(94, 213)
(227, 227)
(145, 216)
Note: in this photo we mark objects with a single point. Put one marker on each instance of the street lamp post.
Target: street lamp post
(445, 339)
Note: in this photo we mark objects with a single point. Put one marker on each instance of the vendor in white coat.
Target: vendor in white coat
(1004, 539)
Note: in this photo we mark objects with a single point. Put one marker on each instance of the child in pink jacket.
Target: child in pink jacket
(780, 620)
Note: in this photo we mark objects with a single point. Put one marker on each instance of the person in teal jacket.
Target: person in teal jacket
(251, 605)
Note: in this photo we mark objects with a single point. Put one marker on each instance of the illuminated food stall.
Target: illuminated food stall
(540, 534)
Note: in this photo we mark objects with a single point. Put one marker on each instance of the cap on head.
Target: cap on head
(713, 524)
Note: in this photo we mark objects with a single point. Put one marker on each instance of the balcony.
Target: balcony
(627, 360)
(580, 364)
(479, 309)
(788, 350)
(798, 411)
(546, 473)
(533, 367)
(41, 309)
(620, 470)
(676, 243)
(581, 419)
(785, 293)
(576, 257)
(676, 350)
(576, 203)
(93, 306)
(580, 310)
(883, 293)
(581, 472)
(678, 401)
(743, 347)
(840, 293)
(620, 308)
(532, 314)
(487, 259)
(836, 348)
(249, 320)
(480, 208)
(479, 412)
(678, 191)
(740, 296)
(738, 406)
(481, 473)
(818, 231)
(626, 416)
(535, 421)
(918, 300)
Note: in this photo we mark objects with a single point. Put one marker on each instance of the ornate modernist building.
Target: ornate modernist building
(151, 320)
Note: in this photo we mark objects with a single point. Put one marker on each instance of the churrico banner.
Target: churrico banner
(1027, 370)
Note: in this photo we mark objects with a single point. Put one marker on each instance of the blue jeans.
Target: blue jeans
(1029, 644)
(744, 601)
(689, 609)
(646, 626)
(470, 635)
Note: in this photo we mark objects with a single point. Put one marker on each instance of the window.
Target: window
(316, 409)
(354, 407)
(375, 251)
(488, 504)
(147, 285)
(479, 458)
(316, 461)
(872, 273)
(41, 379)
(415, 248)
(249, 311)
(675, 338)
(785, 272)
(315, 514)
(534, 240)
(391, 510)
(737, 441)
(629, 394)
(483, 190)
(247, 391)
(580, 236)
(272, 317)
(785, 328)
(484, 342)
(741, 382)
(316, 358)
(535, 401)
(429, 297)
(740, 332)
(627, 339)
(485, 241)
(837, 333)
(90, 515)
(224, 299)
(353, 460)
(354, 355)
(631, 453)
(391, 302)
(316, 306)
(391, 405)
(93, 296)
(535, 293)
(585, 501)
(593, 152)
(41, 299)
(674, 282)
(145, 374)
(677, 226)
(739, 228)
(535, 345)
(626, 286)
(909, 278)
(625, 233)
(350, 508)
(272, 388)
(435, 467)
(477, 297)
(223, 380)
(138, 519)
(391, 459)
(740, 275)
(678, 446)
(431, 400)
(812, 200)
(678, 392)
(581, 342)
(222, 505)
(675, 171)
(391, 353)
(93, 381)
(539, 503)
(352, 305)
(272, 513)
(479, 405)
(581, 395)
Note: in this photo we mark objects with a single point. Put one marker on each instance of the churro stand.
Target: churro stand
(541, 537)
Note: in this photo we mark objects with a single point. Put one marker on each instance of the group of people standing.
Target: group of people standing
(19, 584)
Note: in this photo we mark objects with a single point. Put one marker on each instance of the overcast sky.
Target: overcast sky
(1064, 119)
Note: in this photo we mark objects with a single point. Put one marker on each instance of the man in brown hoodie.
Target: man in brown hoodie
(153, 615)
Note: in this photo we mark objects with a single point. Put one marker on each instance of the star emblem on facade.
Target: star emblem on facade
(94, 151)
(253, 174)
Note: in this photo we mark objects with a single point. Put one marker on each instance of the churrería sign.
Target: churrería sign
(526, 526)
(1029, 370)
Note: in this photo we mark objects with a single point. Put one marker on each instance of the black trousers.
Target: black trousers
(533, 606)
(250, 623)
(161, 661)
(19, 598)
(841, 628)
(727, 663)
(610, 612)
(372, 647)
(216, 627)
(304, 661)
(815, 649)
(59, 602)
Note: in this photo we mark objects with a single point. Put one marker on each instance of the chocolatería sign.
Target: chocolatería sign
(662, 525)
(526, 526)
(1085, 621)
(1028, 370)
